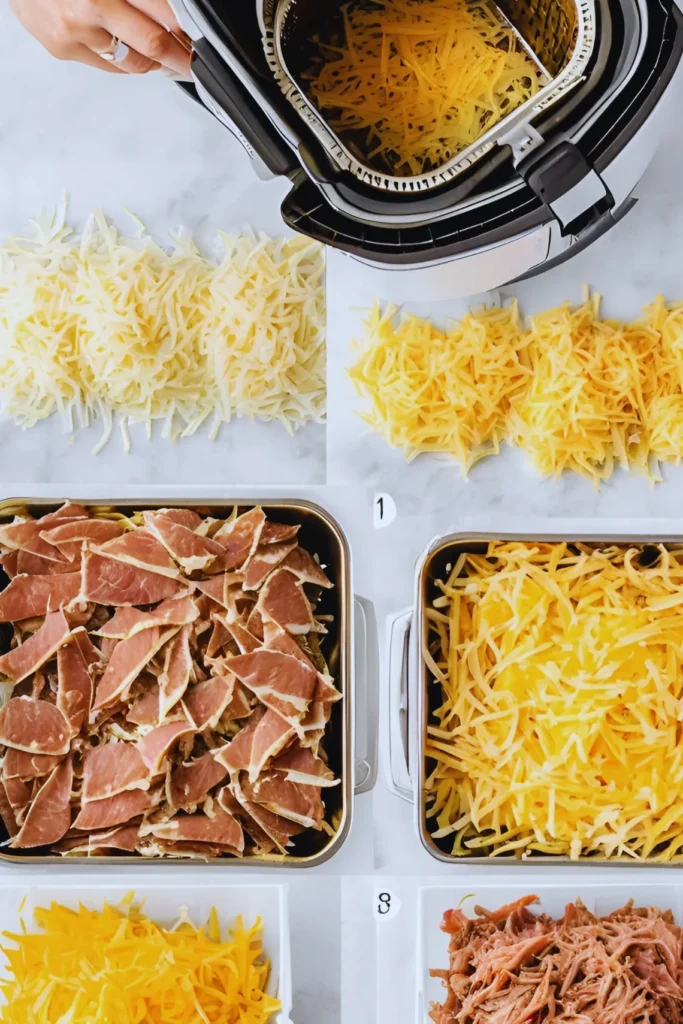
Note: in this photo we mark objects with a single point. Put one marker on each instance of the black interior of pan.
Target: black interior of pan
(319, 539)
(439, 570)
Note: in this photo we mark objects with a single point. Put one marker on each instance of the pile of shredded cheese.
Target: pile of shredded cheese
(574, 391)
(110, 327)
(419, 80)
(436, 391)
(116, 965)
(560, 730)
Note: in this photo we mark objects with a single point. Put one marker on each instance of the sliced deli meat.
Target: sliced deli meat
(283, 602)
(27, 597)
(110, 581)
(35, 726)
(69, 536)
(280, 681)
(126, 731)
(155, 745)
(113, 768)
(190, 782)
(240, 537)
(49, 816)
(127, 661)
(114, 810)
(177, 671)
(179, 611)
(20, 764)
(191, 552)
(28, 657)
(76, 665)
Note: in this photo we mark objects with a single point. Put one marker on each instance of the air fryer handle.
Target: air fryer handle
(241, 112)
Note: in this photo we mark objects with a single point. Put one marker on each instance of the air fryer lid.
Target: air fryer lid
(558, 34)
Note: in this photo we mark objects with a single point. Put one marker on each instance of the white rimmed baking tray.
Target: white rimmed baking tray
(599, 897)
(162, 902)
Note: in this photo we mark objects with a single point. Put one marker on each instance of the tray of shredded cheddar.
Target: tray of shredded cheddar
(554, 706)
(219, 955)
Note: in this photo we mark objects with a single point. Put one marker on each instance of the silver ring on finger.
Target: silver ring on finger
(116, 52)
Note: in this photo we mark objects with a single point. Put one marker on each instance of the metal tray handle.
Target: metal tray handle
(395, 762)
(366, 676)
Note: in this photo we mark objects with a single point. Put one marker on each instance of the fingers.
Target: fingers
(84, 55)
(99, 41)
(144, 36)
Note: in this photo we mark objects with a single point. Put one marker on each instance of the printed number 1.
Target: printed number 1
(380, 502)
(384, 905)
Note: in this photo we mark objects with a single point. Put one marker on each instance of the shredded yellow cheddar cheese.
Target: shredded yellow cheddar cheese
(574, 391)
(116, 965)
(560, 729)
(106, 327)
(420, 80)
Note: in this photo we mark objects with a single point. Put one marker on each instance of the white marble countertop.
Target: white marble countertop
(124, 141)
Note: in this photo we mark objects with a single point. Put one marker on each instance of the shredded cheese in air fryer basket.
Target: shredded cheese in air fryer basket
(559, 730)
(420, 80)
(105, 326)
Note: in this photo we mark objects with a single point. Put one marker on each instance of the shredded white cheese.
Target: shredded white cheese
(108, 327)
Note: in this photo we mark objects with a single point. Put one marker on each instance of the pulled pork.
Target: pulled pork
(512, 966)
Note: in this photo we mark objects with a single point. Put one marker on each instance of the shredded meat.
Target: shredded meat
(516, 967)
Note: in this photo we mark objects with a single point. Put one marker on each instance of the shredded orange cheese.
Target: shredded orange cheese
(116, 965)
(575, 391)
(561, 672)
(420, 79)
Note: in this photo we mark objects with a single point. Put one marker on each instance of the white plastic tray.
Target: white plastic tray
(601, 898)
(269, 902)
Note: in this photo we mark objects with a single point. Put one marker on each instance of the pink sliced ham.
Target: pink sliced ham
(221, 588)
(76, 664)
(177, 671)
(265, 560)
(19, 794)
(299, 764)
(21, 661)
(33, 565)
(325, 690)
(112, 581)
(240, 537)
(282, 601)
(127, 661)
(49, 816)
(184, 516)
(125, 839)
(24, 535)
(19, 764)
(262, 738)
(222, 828)
(245, 640)
(278, 831)
(7, 814)
(35, 726)
(9, 563)
(205, 702)
(219, 637)
(145, 710)
(305, 568)
(276, 533)
(191, 552)
(68, 537)
(125, 622)
(114, 810)
(157, 744)
(29, 596)
(111, 769)
(143, 550)
(302, 804)
(189, 783)
(280, 681)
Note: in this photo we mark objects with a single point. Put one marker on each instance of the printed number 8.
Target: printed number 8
(384, 903)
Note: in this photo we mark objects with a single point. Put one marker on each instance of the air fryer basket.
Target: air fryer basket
(559, 34)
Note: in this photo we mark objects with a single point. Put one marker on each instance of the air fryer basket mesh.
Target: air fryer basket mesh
(559, 34)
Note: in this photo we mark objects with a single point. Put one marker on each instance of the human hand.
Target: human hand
(83, 30)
